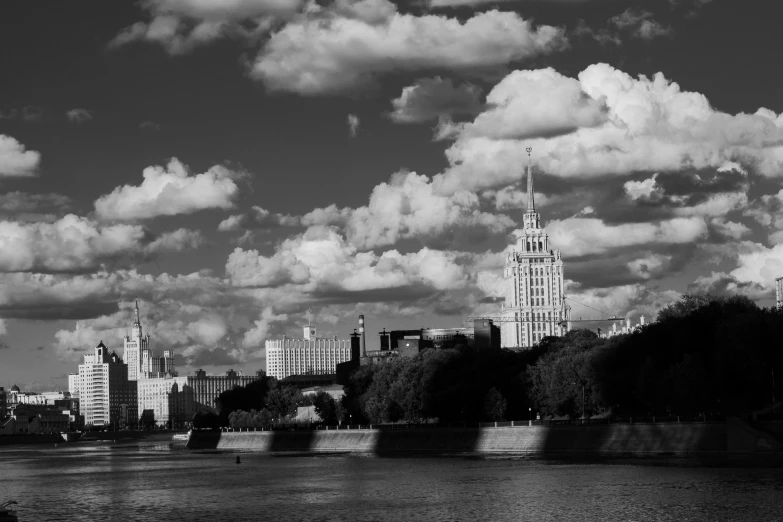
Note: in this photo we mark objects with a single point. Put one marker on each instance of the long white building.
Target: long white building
(105, 393)
(310, 355)
(534, 304)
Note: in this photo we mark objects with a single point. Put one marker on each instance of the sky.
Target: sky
(232, 164)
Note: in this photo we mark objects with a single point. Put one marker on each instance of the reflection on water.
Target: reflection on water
(158, 481)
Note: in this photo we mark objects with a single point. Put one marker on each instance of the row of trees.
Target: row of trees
(704, 354)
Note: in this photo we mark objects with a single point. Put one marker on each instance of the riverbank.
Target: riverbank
(731, 439)
(90, 436)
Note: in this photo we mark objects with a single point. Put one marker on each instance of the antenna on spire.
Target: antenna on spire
(137, 312)
(531, 204)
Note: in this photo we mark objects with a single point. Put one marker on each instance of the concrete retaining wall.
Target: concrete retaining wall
(613, 439)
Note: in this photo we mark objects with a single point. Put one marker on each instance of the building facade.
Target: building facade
(3, 407)
(137, 354)
(172, 401)
(106, 395)
(310, 355)
(779, 293)
(534, 305)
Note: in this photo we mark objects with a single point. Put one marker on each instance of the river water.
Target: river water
(160, 481)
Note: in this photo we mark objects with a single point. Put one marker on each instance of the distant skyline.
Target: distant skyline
(234, 163)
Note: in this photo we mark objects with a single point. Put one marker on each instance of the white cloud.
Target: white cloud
(582, 236)
(170, 191)
(408, 207)
(260, 331)
(536, 103)
(15, 161)
(73, 244)
(650, 125)
(759, 264)
(353, 125)
(649, 266)
(321, 261)
(433, 98)
(322, 54)
(79, 115)
(647, 189)
(331, 215)
(641, 24)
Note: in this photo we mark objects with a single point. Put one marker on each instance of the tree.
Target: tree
(494, 405)
(206, 420)
(326, 407)
(282, 401)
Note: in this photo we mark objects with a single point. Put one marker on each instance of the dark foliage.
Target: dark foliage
(705, 354)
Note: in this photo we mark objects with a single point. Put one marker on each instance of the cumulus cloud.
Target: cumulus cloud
(78, 115)
(649, 125)
(759, 264)
(322, 262)
(75, 244)
(768, 211)
(650, 266)
(353, 125)
(583, 236)
(408, 207)
(539, 103)
(640, 24)
(170, 191)
(434, 98)
(15, 161)
(316, 55)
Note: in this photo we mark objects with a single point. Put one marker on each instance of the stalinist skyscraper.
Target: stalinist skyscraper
(534, 305)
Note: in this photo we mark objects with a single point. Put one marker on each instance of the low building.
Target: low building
(407, 343)
(625, 329)
(36, 420)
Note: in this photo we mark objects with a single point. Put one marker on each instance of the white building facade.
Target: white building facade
(311, 355)
(779, 292)
(106, 396)
(534, 305)
(174, 400)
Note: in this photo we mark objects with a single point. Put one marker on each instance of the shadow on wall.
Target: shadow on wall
(670, 439)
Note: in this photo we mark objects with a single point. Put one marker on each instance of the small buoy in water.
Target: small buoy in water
(238, 461)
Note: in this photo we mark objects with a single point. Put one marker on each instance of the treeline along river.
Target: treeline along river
(141, 480)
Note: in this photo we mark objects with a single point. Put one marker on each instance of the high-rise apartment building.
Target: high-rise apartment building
(310, 355)
(779, 292)
(142, 364)
(106, 395)
(534, 304)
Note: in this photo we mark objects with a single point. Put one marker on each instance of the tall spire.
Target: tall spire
(137, 312)
(531, 204)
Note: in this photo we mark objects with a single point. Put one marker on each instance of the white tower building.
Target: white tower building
(142, 364)
(534, 304)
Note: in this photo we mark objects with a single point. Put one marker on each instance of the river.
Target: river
(142, 481)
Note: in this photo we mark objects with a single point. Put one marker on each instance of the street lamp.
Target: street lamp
(530, 416)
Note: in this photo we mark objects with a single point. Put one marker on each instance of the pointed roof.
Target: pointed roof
(137, 313)
(531, 204)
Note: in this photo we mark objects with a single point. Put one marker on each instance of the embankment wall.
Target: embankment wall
(733, 436)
